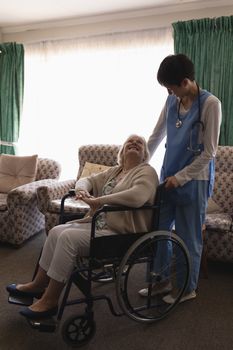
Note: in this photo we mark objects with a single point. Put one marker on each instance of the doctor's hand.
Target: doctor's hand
(171, 182)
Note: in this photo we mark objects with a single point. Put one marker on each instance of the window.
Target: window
(92, 90)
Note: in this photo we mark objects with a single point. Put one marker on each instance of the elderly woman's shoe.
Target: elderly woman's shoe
(36, 315)
(12, 290)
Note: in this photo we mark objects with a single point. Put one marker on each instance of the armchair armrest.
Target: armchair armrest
(53, 191)
(24, 194)
(114, 208)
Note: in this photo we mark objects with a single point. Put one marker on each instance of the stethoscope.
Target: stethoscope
(197, 124)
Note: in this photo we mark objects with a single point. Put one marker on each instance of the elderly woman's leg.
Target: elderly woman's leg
(73, 241)
(50, 298)
(38, 285)
(41, 280)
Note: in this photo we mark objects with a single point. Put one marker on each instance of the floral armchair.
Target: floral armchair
(219, 222)
(20, 217)
(50, 195)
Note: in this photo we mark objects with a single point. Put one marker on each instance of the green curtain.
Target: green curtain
(11, 94)
(209, 44)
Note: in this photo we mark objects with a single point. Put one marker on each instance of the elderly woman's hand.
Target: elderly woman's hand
(93, 202)
(82, 194)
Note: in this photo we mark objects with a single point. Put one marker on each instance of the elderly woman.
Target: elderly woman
(131, 183)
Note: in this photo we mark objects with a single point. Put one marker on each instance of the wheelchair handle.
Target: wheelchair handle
(71, 193)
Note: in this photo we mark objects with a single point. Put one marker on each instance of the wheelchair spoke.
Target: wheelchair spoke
(148, 267)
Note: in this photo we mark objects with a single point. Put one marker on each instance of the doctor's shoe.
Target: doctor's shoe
(169, 299)
(158, 288)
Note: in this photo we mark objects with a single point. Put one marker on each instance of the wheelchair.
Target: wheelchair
(133, 261)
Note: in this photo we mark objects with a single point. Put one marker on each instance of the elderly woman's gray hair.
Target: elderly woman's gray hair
(146, 157)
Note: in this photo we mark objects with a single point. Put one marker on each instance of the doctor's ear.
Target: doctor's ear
(185, 82)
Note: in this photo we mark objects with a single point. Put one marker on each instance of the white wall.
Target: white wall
(119, 22)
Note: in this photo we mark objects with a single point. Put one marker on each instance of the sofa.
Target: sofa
(219, 224)
(20, 217)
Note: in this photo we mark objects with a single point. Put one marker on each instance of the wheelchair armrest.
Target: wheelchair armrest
(156, 205)
(106, 247)
(114, 208)
(110, 208)
(68, 216)
(71, 193)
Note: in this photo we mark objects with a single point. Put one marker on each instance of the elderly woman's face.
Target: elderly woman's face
(134, 145)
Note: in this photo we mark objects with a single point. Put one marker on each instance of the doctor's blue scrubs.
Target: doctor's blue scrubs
(184, 207)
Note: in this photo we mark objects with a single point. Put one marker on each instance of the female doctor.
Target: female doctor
(191, 121)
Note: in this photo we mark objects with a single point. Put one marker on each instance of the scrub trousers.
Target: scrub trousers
(187, 220)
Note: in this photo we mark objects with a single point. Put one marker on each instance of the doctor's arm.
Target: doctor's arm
(158, 133)
(212, 121)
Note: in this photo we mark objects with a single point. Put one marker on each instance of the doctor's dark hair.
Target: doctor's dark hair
(174, 69)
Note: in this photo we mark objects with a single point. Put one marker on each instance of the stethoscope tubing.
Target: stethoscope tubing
(196, 123)
(199, 121)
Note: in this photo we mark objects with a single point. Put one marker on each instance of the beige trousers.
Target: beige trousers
(62, 246)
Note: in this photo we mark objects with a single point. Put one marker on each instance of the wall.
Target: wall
(112, 23)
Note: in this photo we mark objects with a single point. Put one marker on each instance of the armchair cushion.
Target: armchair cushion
(16, 171)
(93, 168)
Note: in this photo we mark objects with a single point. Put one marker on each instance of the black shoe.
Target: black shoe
(36, 315)
(12, 290)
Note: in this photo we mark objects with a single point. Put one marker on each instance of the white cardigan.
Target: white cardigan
(137, 188)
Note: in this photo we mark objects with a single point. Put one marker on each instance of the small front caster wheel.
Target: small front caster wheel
(78, 330)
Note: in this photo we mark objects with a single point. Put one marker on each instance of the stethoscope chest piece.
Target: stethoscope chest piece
(178, 123)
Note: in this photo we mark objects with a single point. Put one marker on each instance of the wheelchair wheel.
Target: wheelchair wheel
(157, 258)
(78, 330)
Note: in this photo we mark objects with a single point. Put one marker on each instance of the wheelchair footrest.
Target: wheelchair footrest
(20, 300)
(44, 325)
